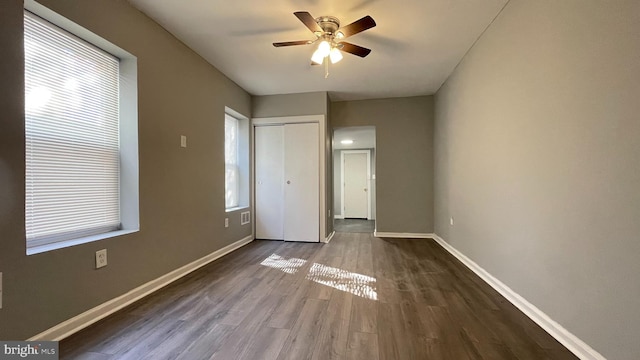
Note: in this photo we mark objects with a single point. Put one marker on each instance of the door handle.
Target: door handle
(288, 182)
(365, 189)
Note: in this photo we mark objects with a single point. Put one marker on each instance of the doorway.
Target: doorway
(354, 179)
(356, 172)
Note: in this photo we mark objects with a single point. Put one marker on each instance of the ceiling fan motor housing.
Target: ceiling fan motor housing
(329, 24)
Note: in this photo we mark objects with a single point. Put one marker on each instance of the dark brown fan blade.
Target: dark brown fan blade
(354, 49)
(308, 20)
(292, 43)
(358, 26)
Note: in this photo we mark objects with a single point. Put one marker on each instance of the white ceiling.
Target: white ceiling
(364, 137)
(415, 45)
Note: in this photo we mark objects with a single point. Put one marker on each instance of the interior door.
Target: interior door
(302, 183)
(269, 186)
(356, 197)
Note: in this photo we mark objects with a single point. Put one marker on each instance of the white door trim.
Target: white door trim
(289, 120)
(368, 152)
(322, 133)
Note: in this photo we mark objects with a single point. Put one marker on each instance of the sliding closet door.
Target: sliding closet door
(302, 184)
(269, 160)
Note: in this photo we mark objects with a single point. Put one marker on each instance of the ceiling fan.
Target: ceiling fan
(330, 35)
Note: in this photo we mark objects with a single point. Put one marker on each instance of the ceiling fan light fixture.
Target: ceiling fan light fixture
(324, 48)
(335, 55)
(317, 57)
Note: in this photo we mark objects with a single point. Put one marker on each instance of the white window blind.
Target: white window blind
(232, 181)
(72, 136)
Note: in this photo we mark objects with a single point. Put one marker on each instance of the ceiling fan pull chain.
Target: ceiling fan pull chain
(326, 68)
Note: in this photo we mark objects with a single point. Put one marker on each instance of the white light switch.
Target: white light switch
(226, 222)
(183, 141)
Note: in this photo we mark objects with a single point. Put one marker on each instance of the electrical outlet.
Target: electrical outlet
(101, 258)
(226, 222)
(451, 221)
(183, 141)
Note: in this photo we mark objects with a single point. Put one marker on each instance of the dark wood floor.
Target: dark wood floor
(358, 297)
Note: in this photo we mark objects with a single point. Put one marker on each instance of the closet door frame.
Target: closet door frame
(322, 134)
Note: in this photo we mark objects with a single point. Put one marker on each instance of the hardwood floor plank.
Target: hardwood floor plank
(364, 265)
(266, 345)
(331, 343)
(128, 336)
(436, 323)
(288, 311)
(362, 346)
(302, 338)
(560, 354)
(476, 329)
(145, 346)
(240, 306)
(92, 356)
(246, 332)
(107, 330)
(350, 253)
(208, 343)
(435, 350)
(394, 341)
(364, 315)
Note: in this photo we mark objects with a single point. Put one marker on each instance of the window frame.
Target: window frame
(243, 160)
(232, 166)
(128, 134)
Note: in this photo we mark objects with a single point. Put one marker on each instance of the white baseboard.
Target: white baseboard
(101, 311)
(338, 216)
(329, 237)
(403, 235)
(578, 347)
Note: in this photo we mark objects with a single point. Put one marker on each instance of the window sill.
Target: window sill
(83, 240)
(236, 208)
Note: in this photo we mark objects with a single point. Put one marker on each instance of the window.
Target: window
(231, 166)
(73, 131)
(236, 158)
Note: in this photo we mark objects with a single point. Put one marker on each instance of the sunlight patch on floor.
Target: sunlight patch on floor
(343, 280)
(289, 266)
(354, 283)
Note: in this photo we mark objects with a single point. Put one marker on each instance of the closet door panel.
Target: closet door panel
(269, 185)
(302, 184)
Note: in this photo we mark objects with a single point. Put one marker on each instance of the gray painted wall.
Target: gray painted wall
(537, 148)
(181, 190)
(314, 103)
(337, 174)
(404, 158)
